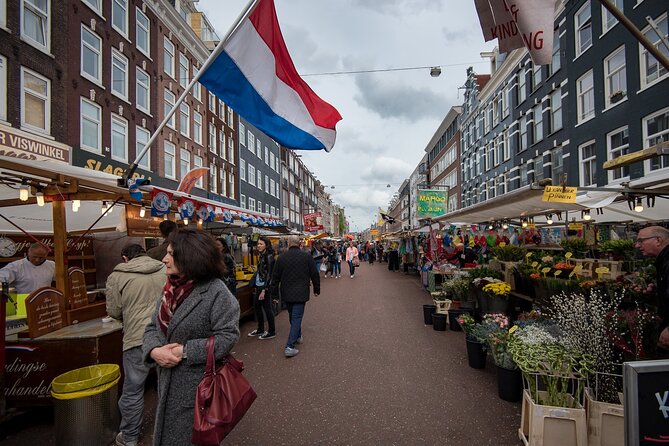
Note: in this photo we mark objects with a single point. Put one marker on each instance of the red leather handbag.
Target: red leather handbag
(221, 400)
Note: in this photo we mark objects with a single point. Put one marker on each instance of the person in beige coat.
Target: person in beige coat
(133, 290)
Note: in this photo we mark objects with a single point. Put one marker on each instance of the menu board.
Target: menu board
(78, 294)
(44, 309)
(646, 390)
(137, 226)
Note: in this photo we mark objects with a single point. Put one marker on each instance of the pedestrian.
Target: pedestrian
(133, 289)
(371, 253)
(332, 262)
(653, 241)
(317, 254)
(230, 275)
(31, 273)
(166, 227)
(260, 283)
(195, 305)
(293, 271)
(351, 257)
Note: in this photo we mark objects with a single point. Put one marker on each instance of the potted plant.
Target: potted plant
(575, 245)
(509, 379)
(496, 297)
(476, 340)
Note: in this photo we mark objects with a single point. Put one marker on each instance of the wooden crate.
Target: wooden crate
(443, 306)
(550, 425)
(606, 422)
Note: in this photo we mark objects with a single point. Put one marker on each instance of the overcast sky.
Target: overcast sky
(388, 117)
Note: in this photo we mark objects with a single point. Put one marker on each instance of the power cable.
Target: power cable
(384, 70)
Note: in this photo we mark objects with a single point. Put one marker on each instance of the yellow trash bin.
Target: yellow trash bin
(86, 405)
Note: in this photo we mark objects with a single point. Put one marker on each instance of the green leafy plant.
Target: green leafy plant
(456, 289)
(620, 249)
(577, 246)
(508, 253)
(482, 272)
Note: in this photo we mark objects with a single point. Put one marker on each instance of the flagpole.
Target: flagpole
(123, 182)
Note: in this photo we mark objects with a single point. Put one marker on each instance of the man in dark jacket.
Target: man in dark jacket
(166, 228)
(292, 272)
(653, 241)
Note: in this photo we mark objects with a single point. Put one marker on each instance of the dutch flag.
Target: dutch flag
(253, 73)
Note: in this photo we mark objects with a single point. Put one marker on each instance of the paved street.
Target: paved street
(369, 372)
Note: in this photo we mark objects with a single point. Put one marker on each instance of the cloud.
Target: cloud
(392, 7)
(460, 35)
(387, 169)
(398, 101)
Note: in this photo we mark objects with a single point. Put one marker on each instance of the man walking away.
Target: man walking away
(166, 228)
(653, 241)
(293, 271)
(133, 291)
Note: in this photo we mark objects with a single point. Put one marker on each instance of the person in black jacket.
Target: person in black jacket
(293, 271)
(229, 277)
(261, 283)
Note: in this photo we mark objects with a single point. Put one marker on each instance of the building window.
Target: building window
(586, 97)
(615, 77)
(617, 143)
(259, 148)
(120, 16)
(252, 204)
(536, 77)
(184, 162)
(583, 29)
(170, 153)
(119, 138)
(538, 128)
(3, 88)
(556, 110)
(143, 32)
(232, 185)
(522, 136)
(213, 178)
(231, 117)
(251, 178)
(224, 183)
(242, 170)
(212, 103)
(259, 206)
(231, 150)
(91, 55)
(523, 175)
(555, 60)
(197, 162)
(183, 70)
(221, 143)
(95, 5)
(35, 23)
(272, 187)
(651, 69)
(212, 138)
(143, 90)
(119, 74)
(35, 101)
(266, 155)
(656, 130)
(221, 110)
(259, 180)
(242, 201)
(588, 164)
(197, 127)
(168, 57)
(242, 134)
(608, 20)
(142, 137)
(197, 88)
(539, 168)
(91, 126)
(557, 165)
(251, 141)
(184, 119)
(169, 101)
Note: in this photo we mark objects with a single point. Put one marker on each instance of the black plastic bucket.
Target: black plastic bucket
(509, 384)
(476, 355)
(428, 309)
(439, 321)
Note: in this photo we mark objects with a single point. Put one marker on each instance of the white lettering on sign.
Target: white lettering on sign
(662, 401)
(26, 368)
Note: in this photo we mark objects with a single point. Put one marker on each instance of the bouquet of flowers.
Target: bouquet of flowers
(498, 340)
(466, 321)
(499, 289)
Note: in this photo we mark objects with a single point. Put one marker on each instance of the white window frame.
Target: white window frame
(259, 149)
(184, 162)
(212, 138)
(231, 117)
(184, 119)
(95, 52)
(95, 5)
(46, 98)
(556, 62)
(589, 163)
(122, 4)
(251, 174)
(28, 7)
(252, 204)
(142, 29)
(169, 159)
(584, 97)
(145, 162)
(119, 126)
(120, 62)
(620, 173)
(222, 144)
(197, 127)
(242, 134)
(197, 88)
(608, 20)
(168, 57)
(198, 162)
(259, 179)
(250, 141)
(211, 102)
(242, 169)
(242, 201)
(3, 87)
(143, 90)
(644, 56)
(582, 46)
(183, 70)
(232, 185)
(538, 123)
(231, 150)
(617, 75)
(522, 86)
(556, 111)
(224, 182)
(169, 99)
(650, 140)
(94, 120)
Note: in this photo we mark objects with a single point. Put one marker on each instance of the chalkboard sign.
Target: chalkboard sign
(78, 294)
(646, 390)
(44, 310)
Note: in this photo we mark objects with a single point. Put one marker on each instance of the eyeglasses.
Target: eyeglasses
(640, 240)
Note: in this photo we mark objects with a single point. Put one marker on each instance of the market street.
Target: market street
(369, 372)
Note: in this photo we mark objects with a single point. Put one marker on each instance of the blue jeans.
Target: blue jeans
(336, 268)
(131, 403)
(351, 268)
(295, 314)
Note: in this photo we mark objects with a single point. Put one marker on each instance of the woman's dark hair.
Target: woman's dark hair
(268, 245)
(224, 243)
(195, 255)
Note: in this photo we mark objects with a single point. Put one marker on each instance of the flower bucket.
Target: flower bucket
(453, 318)
(427, 313)
(439, 321)
(497, 304)
(476, 355)
(509, 384)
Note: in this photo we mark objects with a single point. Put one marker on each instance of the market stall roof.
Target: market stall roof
(527, 202)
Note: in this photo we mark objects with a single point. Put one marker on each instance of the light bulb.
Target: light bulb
(142, 212)
(165, 217)
(490, 227)
(103, 209)
(524, 224)
(75, 205)
(549, 220)
(186, 221)
(24, 191)
(200, 221)
(505, 225)
(639, 206)
(40, 198)
(586, 215)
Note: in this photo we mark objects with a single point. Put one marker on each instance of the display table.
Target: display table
(33, 363)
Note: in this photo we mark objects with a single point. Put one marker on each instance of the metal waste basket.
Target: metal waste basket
(86, 405)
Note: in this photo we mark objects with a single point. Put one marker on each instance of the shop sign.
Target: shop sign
(313, 222)
(431, 203)
(19, 144)
(374, 232)
(141, 226)
(559, 194)
(88, 160)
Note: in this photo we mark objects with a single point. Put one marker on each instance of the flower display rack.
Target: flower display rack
(606, 422)
(550, 425)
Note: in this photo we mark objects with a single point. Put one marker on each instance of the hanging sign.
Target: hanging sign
(192, 177)
(431, 203)
(186, 208)
(559, 194)
(161, 201)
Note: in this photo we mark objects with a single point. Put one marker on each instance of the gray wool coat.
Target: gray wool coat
(209, 310)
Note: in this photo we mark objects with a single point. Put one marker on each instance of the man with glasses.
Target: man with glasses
(653, 241)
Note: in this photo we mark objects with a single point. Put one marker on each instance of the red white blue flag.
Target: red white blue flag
(253, 73)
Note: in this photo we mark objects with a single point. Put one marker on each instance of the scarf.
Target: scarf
(177, 288)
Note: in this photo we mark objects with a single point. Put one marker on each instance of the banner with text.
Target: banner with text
(431, 203)
(313, 222)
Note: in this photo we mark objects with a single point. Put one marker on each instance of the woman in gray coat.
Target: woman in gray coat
(195, 305)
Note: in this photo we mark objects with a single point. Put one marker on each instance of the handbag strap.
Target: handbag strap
(211, 357)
